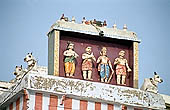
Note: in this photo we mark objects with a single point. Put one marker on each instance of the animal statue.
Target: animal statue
(94, 22)
(63, 18)
(18, 73)
(150, 84)
(30, 60)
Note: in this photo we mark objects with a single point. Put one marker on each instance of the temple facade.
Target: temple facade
(90, 67)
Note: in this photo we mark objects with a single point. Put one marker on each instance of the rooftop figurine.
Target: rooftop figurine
(151, 84)
(97, 23)
(18, 73)
(63, 18)
(30, 60)
(73, 19)
(84, 20)
(104, 23)
(114, 26)
(125, 27)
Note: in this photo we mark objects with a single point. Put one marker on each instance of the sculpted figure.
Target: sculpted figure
(30, 60)
(87, 63)
(69, 60)
(122, 68)
(104, 65)
(151, 84)
(18, 73)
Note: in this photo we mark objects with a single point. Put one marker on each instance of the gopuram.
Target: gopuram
(90, 67)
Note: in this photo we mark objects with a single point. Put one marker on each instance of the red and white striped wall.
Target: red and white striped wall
(40, 101)
(19, 104)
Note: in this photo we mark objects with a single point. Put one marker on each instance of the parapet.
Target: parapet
(86, 90)
(93, 29)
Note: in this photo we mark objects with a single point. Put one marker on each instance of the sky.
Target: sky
(24, 25)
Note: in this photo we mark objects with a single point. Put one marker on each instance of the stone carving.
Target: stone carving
(73, 20)
(69, 60)
(63, 18)
(150, 84)
(18, 73)
(32, 66)
(86, 89)
(30, 60)
(122, 68)
(104, 65)
(84, 20)
(87, 63)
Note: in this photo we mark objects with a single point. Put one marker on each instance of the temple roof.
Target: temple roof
(94, 30)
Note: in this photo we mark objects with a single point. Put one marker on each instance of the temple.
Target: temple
(90, 67)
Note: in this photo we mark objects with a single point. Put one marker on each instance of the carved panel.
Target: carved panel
(87, 90)
(82, 41)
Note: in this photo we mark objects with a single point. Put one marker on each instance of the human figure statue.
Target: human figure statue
(87, 63)
(122, 68)
(104, 65)
(69, 60)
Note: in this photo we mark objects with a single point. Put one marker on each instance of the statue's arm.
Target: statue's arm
(116, 61)
(126, 63)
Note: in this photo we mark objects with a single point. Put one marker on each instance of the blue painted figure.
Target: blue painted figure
(104, 65)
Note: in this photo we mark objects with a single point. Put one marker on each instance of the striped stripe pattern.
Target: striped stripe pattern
(39, 101)
(19, 104)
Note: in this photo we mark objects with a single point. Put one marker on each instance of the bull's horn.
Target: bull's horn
(155, 73)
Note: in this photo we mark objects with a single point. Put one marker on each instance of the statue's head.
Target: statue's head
(70, 45)
(122, 53)
(28, 57)
(103, 51)
(18, 70)
(88, 49)
(157, 78)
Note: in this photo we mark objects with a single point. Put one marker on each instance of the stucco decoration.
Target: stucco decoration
(104, 66)
(31, 62)
(69, 60)
(18, 72)
(55, 65)
(96, 91)
(136, 64)
(90, 29)
(151, 84)
(87, 63)
(122, 68)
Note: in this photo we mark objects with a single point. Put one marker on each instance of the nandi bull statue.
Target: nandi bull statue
(18, 72)
(150, 84)
(30, 60)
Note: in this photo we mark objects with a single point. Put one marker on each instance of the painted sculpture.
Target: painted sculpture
(19, 71)
(69, 60)
(87, 63)
(31, 61)
(104, 65)
(150, 84)
(122, 68)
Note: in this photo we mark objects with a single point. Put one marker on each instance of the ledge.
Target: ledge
(87, 90)
(90, 29)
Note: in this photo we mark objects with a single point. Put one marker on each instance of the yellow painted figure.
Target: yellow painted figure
(69, 61)
(122, 68)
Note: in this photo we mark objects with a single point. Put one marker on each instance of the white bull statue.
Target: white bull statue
(30, 60)
(151, 84)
